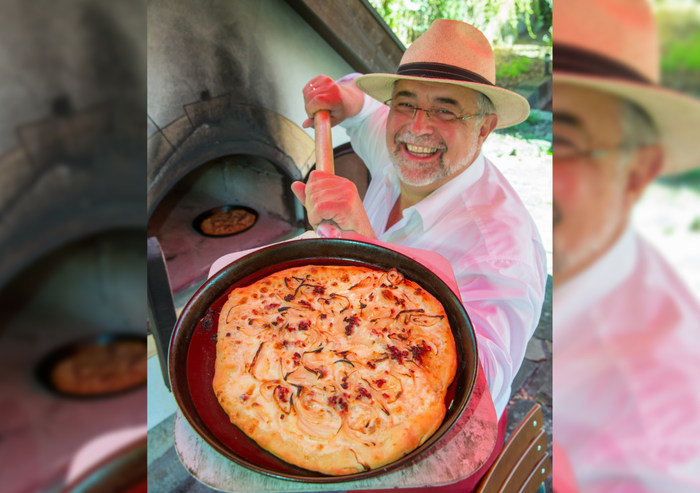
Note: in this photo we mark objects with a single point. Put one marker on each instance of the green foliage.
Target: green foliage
(513, 68)
(682, 54)
(498, 19)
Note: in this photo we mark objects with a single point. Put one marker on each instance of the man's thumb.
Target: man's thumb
(299, 190)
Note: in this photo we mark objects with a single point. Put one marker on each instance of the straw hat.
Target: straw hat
(456, 53)
(612, 46)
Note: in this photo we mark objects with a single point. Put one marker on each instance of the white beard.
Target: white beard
(421, 175)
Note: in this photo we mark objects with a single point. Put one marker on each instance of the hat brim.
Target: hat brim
(511, 108)
(676, 116)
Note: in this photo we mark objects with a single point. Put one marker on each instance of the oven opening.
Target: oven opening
(227, 220)
(229, 204)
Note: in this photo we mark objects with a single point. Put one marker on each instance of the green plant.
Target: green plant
(497, 19)
(682, 54)
(513, 68)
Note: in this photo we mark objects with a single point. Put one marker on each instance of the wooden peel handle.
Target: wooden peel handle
(324, 146)
(324, 162)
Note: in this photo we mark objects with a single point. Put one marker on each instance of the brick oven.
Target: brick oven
(225, 111)
(72, 262)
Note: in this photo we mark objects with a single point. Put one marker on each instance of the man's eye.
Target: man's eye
(444, 112)
(404, 105)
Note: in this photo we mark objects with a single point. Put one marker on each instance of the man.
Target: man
(626, 340)
(432, 189)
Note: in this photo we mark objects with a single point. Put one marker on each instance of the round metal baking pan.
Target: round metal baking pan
(46, 365)
(197, 223)
(193, 349)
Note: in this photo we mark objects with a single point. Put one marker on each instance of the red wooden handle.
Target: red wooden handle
(324, 146)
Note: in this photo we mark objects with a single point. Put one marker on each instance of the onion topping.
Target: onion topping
(425, 320)
(394, 277)
(302, 376)
(360, 422)
(315, 418)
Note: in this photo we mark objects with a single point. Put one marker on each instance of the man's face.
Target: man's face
(427, 152)
(592, 195)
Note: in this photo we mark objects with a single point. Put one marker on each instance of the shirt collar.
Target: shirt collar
(434, 205)
(599, 280)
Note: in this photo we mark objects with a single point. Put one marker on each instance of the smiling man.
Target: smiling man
(432, 189)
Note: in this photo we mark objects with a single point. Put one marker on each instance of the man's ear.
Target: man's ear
(488, 124)
(646, 167)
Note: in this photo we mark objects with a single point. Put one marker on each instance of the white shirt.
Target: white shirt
(480, 225)
(626, 374)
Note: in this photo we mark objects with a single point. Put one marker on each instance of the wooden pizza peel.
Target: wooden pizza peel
(461, 452)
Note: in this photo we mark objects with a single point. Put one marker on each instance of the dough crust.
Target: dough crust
(334, 369)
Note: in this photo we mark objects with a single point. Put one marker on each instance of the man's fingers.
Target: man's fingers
(299, 190)
(308, 123)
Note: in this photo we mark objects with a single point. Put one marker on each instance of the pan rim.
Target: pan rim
(218, 284)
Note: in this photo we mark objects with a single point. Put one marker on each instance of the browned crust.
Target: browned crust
(393, 398)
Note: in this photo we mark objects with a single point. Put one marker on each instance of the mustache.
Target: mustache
(406, 137)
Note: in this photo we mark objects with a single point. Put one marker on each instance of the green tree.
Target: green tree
(499, 20)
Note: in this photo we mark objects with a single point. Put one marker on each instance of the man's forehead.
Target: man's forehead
(595, 112)
(435, 90)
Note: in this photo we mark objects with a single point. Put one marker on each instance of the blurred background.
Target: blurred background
(668, 214)
(72, 254)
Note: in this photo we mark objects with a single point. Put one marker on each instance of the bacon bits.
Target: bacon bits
(319, 290)
(289, 297)
(418, 351)
(282, 393)
(296, 358)
(353, 322)
(363, 392)
(338, 403)
(379, 382)
(304, 325)
(397, 355)
(271, 306)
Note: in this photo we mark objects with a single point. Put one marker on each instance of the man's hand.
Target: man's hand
(327, 196)
(343, 100)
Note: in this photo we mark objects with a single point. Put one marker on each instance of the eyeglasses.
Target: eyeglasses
(569, 152)
(440, 114)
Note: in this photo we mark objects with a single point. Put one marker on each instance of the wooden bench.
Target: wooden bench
(524, 463)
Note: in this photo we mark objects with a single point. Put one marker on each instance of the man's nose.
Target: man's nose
(420, 124)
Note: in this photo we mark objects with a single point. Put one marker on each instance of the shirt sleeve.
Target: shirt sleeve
(504, 301)
(367, 131)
